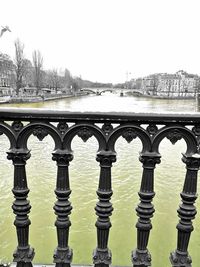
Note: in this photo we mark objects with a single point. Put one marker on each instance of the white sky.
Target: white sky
(103, 39)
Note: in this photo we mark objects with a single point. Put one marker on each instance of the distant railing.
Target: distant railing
(19, 124)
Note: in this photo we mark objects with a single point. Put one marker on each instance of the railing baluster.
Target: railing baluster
(102, 255)
(63, 254)
(186, 212)
(141, 256)
(21, 207)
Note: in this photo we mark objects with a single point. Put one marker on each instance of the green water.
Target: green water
(84, 173)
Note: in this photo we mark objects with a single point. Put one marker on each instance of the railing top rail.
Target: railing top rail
(27, 114)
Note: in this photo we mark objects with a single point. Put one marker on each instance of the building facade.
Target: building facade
(180, 84)
(7, 74)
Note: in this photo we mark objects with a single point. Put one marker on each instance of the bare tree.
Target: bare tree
(54, 80)
(28, 73)
(19, 64)
(37, 65)
(77, 83)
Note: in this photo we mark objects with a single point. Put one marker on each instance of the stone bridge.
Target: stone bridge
(100, 91)
(97, 91)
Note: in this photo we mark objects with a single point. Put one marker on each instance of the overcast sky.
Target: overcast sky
(103, 39)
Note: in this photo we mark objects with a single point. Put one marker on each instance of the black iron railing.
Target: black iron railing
(18, 125)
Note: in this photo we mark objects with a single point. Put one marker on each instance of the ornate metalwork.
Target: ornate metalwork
(152, 129)
(174, 136)
(40, 133)
(196, 131)
(186, 212)
(129, 134)
(180, 259)
(84, 133)
(62, 127)
(17, 126)
(102, 255)
(85, 125)
(63, 254)
(107, 128)
(21, 207)
(145, 209)
(141, 258)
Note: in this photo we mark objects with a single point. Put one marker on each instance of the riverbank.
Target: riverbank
(40, 98)
(169, 97)
(176, 97)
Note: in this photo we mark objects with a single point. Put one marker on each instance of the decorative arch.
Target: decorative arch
(175, 133)
(40, 130)
(8, 131)
(130, 132)
(84, 131)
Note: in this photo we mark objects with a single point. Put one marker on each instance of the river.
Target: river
(84, 173)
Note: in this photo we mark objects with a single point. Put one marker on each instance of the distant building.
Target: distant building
(7, 74)
(4, 91)
(6, 78)
(180, 84)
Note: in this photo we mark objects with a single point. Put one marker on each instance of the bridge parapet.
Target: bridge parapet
(19, 125)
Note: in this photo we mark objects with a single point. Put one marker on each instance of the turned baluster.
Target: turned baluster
(102, 255)
(141, 256)
(21, 207)
(63, 254)
(186, 213)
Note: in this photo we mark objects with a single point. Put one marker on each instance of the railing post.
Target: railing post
(63, 254)
(102, 255)
(186, 212)
(21, 207)
(141, 256)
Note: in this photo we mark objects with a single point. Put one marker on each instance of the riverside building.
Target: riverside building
(180, 84)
